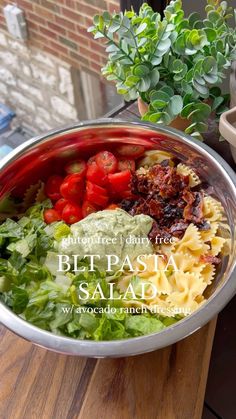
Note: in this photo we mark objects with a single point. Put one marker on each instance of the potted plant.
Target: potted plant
(174, 65)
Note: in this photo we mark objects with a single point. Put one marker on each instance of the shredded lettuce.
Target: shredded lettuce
(32, 287)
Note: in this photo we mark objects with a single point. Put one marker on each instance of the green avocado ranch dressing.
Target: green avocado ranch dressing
(112, 235)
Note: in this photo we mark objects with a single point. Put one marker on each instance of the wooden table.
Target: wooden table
(166, 384)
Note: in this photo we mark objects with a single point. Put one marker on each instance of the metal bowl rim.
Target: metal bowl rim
(142, 344)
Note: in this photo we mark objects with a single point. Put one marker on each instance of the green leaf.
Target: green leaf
(200, 112)
(144, 84)
(213, 16)
(187, 110)
(176, 105)
(193, 17)
(101, 23)
(159, 104)
(156, 60)
(184, 24)
(98, 35)
(91, 29)
(142, 42)
(115, 25)
(131, 80)
(10, 229)
(20, 299)
(217, 102)
(163, 47)
(106, 16)
(209, 65)
(112, 48)
(139, 325)
(141, 28)
(196, 126)
(211, 78)
(89, 322)
(211, 34)
(160, 96)
(155, 77)
(203, 90)
(154, 117)
(168, 90)
(141, 70)
(177, 66)
(122, 91)
(199, 79)
(96, 20)
(198, 24)
(166, 118)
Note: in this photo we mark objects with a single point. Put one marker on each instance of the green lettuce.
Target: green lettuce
(32, 287)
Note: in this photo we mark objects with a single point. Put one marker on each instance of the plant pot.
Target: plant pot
(227, 129)
(178, 123)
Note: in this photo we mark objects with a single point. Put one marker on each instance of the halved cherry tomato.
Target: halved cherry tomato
(96, 188)
(128, 195)
(107, 161)
(60, 205)
(96, 194)
(119, 182)
(129, 150)
(72, 188)
(71, 214)
(79, 167)
(112, 207)
(96, 174)
(52, 187)
(126, 164)
(91, 160)
(88, 208)
(50, 216)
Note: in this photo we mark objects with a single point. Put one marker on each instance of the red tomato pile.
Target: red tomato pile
(91, 186)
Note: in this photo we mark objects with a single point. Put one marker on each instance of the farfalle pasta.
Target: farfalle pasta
(196, 249)
(194, 179)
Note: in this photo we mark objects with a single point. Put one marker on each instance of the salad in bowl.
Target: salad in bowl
(121, 241)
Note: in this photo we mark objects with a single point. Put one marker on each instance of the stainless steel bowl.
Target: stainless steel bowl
(39, 157)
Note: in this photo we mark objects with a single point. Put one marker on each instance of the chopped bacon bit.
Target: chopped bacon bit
(166, 196)
(210, 259)
(194, 209)
(178, 228)
(167, 180)
(203, 225)
(158, 233)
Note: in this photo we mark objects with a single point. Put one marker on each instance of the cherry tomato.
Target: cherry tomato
(127, 195)
(132, 151)
(71, 214)
(107, 161)
(91, 160)
(52, 187)
(60, 205)
(50, 216)
(72, 188)
(126, 164)
(79, 167)
(96, 174)
(96, 194)
(88, 208)
(119, 182)
(112, 207)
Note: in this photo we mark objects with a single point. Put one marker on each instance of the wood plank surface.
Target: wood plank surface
(165, 384)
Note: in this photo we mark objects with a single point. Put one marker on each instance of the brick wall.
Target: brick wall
(59, 27)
